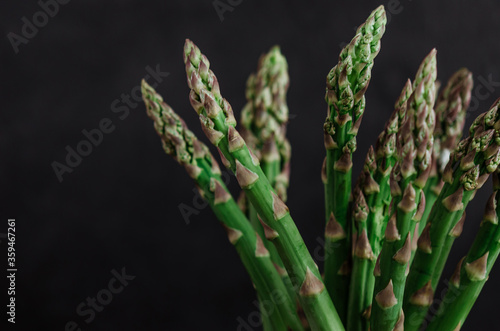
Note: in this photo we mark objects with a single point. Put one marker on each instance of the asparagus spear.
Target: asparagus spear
(188, 151)
(218, 123)
(408, 177)
(263, 127)
(374, 197)
(451, 106)
(472, 271)
(469, 167)
(346, 86)
(265, 116)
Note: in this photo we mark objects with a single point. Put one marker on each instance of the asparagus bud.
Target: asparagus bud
(346, 85)
(469, 167)
(297, 260)
(472, 271)
(263, 125)
(179, 142)
(450, 108)
(415, 142)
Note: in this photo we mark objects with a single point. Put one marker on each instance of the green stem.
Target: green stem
(269, 321)
(420, 284)
(188, 151)
(266, 321)
(271, 170)
(375, 185)
(431, 191)
(272, 292)
(408, 177)
(393, 261)
(297, 260)
(346, 85)
(218, 123)
(358, 306)
(472, 272)
(338, 248)
(362, 280)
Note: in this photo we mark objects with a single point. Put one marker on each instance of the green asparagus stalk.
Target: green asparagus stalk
(265, 116)
(188, 151)
(451, 106)
(218, 123)
(267, 322)
(372, 199)
(472, 271)
(408, 177)
(469, 167)
(346, 85)
(449, 144)
(263, 127)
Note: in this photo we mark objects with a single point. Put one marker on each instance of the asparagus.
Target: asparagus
(265, 116)
(218, 123)
(188, 151)
(346, 86)
(451, 106)
(469, 167)
(267, 322)
(408, 177)
(472, 271)
(372, 199)
(263, 127)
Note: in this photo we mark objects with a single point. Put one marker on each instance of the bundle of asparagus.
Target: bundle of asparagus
(201, 166)
(388, 241)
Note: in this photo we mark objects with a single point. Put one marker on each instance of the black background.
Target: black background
(119, 207)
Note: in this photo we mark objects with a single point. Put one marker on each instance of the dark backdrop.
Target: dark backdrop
(118, 208)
